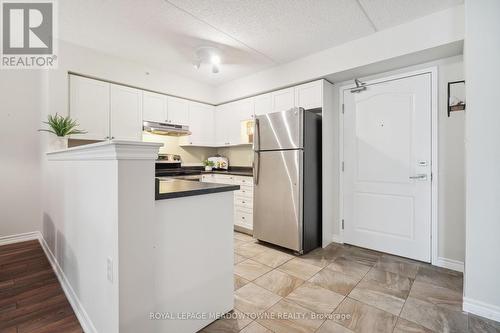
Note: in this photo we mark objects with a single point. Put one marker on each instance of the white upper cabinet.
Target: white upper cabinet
(126, 113)
(89, 106)
(309, 95)
(201, 125)
(263, 104)
(229, 121)
(227, 125)
(245, 108)
(154, 107)
(283, 99)
(177, 110)
(165, 109)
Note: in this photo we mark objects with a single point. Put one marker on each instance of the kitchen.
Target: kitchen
(229, 171)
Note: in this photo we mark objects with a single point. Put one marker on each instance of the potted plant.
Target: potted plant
(208, 165)
(62, 127)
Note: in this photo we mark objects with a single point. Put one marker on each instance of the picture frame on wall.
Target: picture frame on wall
(456, 96)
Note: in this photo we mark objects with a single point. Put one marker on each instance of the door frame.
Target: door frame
(433, 71)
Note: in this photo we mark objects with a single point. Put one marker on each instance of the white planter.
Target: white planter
(208, 168)
(58, 143)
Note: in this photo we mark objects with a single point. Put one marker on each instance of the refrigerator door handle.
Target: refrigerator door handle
(256, 167)
(256, 138)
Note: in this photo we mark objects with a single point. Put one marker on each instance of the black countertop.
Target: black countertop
(234, 170)
(231, 172)
(176, 188)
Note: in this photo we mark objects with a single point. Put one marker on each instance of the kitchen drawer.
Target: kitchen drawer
(243, 202)
(243, 219)
(244, 191)
(245, 210)
(223, 179)
(243, 181)
(207, 178)
(218, 179)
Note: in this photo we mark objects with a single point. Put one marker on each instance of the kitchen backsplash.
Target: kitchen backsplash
(238, 156)
(189, 155)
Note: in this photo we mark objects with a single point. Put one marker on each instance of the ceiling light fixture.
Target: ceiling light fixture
(209, 55)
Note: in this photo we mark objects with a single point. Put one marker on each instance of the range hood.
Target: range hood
(165, 128)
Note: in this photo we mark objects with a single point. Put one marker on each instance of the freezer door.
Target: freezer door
(278, 199)
(279, 130)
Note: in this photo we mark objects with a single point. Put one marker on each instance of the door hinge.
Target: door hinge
(342, 224)
(431, 176)
(343, 108)
(342, 166)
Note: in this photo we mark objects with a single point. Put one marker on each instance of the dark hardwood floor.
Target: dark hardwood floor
(31, 298)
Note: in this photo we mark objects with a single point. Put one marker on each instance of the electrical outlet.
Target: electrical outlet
(109, 263)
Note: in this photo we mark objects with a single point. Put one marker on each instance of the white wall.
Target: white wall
(20, 99)
(81, 239)
(426, 33)
(482, 71)
(451, 206)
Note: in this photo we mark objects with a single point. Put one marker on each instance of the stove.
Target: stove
(169, 165)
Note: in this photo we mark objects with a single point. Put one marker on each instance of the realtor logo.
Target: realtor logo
(28, 34)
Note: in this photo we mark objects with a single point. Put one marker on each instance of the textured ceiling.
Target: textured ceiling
(252, 34)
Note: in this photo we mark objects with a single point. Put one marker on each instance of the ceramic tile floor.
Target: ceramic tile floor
(342, 288)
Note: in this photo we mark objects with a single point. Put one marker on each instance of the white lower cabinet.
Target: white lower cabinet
(243, 198)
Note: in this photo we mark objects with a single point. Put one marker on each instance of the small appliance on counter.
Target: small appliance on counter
(220, 162)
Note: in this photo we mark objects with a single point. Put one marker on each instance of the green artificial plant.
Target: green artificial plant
(62, 126)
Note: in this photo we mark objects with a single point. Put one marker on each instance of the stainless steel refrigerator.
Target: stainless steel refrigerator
(287, 178)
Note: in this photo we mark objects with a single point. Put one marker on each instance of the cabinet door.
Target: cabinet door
(177, 111)
(309, 95)
(245, 108)
(283, 99)
(222, 125)
(89, 106)
(126, 113)
(228, 118)
(263, 104)
(201, 125)
(244, 111)
(154, 107)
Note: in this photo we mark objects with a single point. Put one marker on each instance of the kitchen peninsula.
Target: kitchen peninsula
(138, 254)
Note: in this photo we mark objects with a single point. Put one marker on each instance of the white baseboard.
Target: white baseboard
(481, 309)
(337, 239)
(73, 299)
(4, 240)
(450, 264)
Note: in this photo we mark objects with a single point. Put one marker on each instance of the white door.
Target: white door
(154, 107)
(89, 106)
(126, 113)
(387, 163)
(178, 111)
